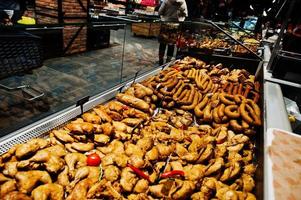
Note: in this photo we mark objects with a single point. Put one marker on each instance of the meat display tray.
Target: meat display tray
(42, 127)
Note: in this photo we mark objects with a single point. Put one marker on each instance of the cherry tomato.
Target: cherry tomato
(93, 159)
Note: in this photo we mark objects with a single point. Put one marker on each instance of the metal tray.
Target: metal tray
(42, 127)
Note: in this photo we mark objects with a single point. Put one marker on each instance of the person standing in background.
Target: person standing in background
(173, 10)
(170, 11)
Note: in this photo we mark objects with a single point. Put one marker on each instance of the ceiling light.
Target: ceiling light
(264, 13)
(251, 7)
(269, 9)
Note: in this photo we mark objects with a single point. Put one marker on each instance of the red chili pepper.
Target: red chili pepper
(139, 172)
(172, 173)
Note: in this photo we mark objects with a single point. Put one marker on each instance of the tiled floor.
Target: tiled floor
(64, 80)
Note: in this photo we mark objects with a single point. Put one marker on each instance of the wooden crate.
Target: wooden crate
(146, 29)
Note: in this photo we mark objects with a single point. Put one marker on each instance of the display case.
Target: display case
(119, 95)
(218, 38)
(68, 116)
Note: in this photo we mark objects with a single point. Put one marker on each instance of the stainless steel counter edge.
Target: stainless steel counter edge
(43, 126)
(276, 114)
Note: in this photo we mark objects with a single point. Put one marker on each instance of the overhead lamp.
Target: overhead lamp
(273, 1)
(264, 13)
(269, 9)
(251, 7)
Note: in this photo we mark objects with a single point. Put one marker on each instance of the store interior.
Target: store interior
(150, 99)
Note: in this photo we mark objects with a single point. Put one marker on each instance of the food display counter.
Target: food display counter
(208, 37)
(191, 129)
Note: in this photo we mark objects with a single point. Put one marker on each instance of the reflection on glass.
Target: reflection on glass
(64, 79)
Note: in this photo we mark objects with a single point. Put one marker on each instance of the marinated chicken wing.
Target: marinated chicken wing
(116, 106)
(16, 196)
(82, 173)
(141, 196)
(111, 173)
(49, 191)
(112, 191)
(101, 138)
(185, 190)
(57, 150)
(248, 183)
(7, 187)
(152, 154)
(96, 190)
(132, 121)
(3, 178)
(207, 189)
(136, 161)
(91, 118)
(82, 147)
(141, 186)
(116, 116)
(79, 138)
(81, 189)
(63, 177)
(214, 166)
(232, 170)
(80, 127)
(26, 181)
(156, 190)
(100, 111)
(135, 113)
(165, 150)
(8, 155)
(107, 129)
(75, 160)
(123, 136)
(194, 172)
(10, 169)
(133, 102)
(51, 161)
(206, 154)
(63, 136)
(121, 159)
(145, 144)
(119, 126)
(69, 148)
(131, 149)
(246, 195)
(31, 147)
(108, 159)
(128, 179)
(250, 169)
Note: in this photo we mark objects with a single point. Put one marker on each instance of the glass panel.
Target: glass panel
(64, 79)
(210, 38)
(141, 48)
